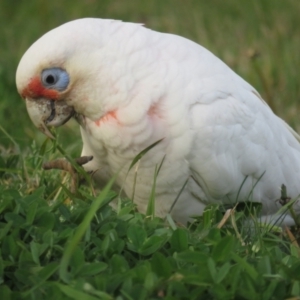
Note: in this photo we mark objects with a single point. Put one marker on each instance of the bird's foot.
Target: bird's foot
(65, 165)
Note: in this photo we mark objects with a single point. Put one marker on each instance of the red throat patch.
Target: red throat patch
(35, 89)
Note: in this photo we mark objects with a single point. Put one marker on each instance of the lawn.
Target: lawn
(59, 245)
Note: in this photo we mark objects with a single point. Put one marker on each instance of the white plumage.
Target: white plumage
(132, 86)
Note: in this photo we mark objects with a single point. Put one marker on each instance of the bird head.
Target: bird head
(66, 73)
(43, 97)
(44, 82)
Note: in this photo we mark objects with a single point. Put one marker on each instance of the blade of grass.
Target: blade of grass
(99, 202)
(10, 138)
(259, 178)
(46, 272)
(247, 267)
(78, 295)
(177, 197)
(240, 188)
(142, 153)
(293, 241)
(137, 159)
(134, 180)
(151, 203)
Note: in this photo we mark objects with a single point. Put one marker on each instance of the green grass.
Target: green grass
(55, 245)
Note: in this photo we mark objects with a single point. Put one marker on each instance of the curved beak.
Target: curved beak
(45, 113)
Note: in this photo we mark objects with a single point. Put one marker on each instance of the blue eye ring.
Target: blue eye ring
(55, 78)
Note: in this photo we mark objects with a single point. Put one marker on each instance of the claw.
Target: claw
(65, 165)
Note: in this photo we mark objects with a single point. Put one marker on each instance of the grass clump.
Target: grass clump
(56, 245)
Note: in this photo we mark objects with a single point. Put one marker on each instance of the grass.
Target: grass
(56, 245)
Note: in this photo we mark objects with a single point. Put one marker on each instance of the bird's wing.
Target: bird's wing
(291, 130)
(237, 136)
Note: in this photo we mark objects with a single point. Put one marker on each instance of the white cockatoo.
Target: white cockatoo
(129, 87)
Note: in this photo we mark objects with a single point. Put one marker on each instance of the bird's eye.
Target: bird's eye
(55, 78)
